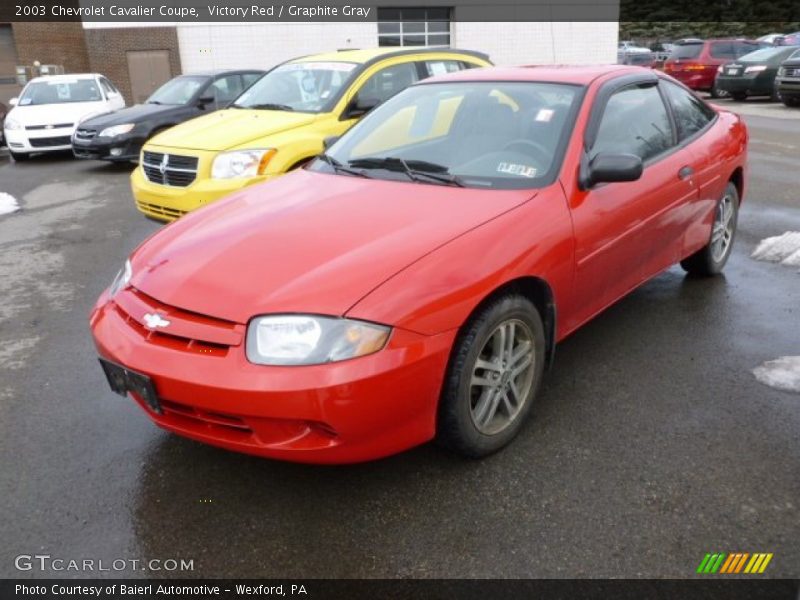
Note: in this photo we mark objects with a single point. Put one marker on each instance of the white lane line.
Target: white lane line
(782, 373)
(8, 203)
(783, 249)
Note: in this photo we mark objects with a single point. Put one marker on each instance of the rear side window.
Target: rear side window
(691, 113)
(683, 51)
(635, 121)
(442, 67)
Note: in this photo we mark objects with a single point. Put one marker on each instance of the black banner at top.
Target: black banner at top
(198, 11)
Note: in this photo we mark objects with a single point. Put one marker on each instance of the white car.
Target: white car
(49, 110)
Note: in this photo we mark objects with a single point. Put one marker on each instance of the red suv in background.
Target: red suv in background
(694, 62)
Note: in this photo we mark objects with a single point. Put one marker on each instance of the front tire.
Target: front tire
(791, 101)
(494, 374)
(711, 258)
(739, 96)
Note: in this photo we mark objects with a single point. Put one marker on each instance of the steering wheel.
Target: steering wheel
(540, 151)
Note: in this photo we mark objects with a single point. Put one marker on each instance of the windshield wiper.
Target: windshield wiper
(340, 168)
(414, 169)
(153, 102)
(266, 106)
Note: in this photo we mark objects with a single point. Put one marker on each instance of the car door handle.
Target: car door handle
(686, 172)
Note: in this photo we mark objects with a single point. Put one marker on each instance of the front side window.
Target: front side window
(414, 26)
(226, 88)
(301, 86)
(387, 82)
(635, 121)
(496, 135)
(691, 113)
(60, 92)
(177, 91)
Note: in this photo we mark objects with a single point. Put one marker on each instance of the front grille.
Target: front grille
(44, 142)
(85, 134)
(54, 126)
(792, 71)
(169, 169)
(187, 332)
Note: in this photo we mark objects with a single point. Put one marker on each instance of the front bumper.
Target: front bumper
(788, 87)
(26, 141)
(120, 148)
(168, 203)
(344, 412)
(755, 85)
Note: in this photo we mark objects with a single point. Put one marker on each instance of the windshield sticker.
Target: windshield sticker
(25, 101)
(63, 92)
(515, 169)
(544, 115)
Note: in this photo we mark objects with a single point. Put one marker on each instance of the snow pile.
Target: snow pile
(782, 373)
(783, 249)
(8, 203)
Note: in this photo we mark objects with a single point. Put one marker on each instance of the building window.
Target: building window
(414, 26)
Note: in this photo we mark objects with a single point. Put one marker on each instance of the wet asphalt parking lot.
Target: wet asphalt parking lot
(652, 442)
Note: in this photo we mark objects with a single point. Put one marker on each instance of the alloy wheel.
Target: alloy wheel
(502, 377)
(723, 229)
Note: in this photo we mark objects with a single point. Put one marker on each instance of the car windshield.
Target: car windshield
(686, 51)
(501, 135)
(302, 86)
(765, 54)
(177, 91)
(60, 91)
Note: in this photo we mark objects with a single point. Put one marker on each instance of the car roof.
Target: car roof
(580, 75)
(216, 72)
(363, 56)
(66, 77)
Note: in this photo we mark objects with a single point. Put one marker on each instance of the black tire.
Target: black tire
(707, 262)
(775, 96)
(456, 427)
(19, 156)
(791, 101)
(716, 92)
(739, 96)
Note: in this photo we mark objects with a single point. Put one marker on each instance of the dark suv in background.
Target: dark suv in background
(787, 82)
(694, 62)
(120, 135)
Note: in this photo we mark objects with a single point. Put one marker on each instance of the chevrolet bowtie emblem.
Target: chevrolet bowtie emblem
(154, 321)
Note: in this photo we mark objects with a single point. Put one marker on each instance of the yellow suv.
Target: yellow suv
(278, 124)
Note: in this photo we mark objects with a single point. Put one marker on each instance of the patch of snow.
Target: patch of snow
(782, 373)
(8, 203)
(783, 249)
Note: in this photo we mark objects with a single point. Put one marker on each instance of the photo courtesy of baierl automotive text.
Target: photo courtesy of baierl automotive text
(400, 299)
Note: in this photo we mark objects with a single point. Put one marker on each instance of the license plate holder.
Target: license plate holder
(123, 380)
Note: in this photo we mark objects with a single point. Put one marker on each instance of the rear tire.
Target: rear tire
(716, 92)
(495, 371)
(711, 258)
(19, 156)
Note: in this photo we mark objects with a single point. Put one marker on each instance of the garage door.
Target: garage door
(8, 55)
(148, 69)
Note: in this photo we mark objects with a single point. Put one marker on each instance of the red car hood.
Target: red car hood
(307, 242)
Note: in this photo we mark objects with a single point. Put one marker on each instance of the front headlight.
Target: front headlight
(756, 69)
(781, 71)
(719, 69)
(12, 124)
(311, 340)
(121, 280)
(117, 130)
(241, 163)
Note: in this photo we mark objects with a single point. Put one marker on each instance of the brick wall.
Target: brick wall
(52, 44)
(107, 49)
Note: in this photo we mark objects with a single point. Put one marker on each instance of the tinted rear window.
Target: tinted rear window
(686, 51)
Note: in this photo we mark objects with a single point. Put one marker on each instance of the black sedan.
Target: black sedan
(753, 74)
(119, 136)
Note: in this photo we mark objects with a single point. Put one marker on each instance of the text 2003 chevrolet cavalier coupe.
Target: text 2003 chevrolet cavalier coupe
(413, 281)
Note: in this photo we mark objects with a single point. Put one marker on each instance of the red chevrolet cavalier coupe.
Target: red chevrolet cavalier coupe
(412, 283)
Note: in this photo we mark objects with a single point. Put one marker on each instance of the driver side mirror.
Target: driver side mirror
(204, 101)
(359, 107)
(610, 168)
(13, 101)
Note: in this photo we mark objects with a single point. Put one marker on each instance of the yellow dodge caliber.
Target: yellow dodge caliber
(278, 124)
